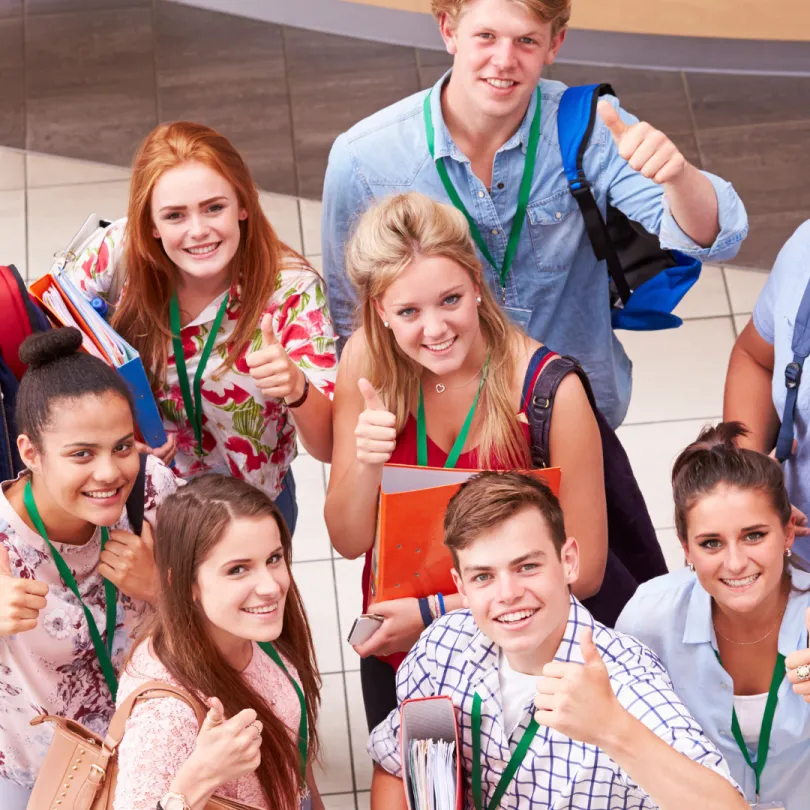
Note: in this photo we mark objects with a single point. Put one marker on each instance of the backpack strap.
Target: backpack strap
(576, 118)
(136, 502)
(793, 376)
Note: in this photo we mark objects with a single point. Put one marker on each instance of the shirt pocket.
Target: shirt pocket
(555, 227)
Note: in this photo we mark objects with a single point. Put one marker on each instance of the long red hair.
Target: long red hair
(142, 317)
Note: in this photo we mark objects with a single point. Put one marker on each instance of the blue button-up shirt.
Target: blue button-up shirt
(673, 615)
(454, 658)
(557, 290)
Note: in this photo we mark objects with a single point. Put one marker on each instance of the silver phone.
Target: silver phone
(364, 627)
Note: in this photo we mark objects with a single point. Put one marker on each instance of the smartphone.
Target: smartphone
(364, 628)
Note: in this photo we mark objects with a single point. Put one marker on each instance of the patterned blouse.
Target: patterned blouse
(244, 434)
(53, 668)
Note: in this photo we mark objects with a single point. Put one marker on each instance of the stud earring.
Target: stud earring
(788, 552)
(478, 299)
(385, 324)
(691, 567)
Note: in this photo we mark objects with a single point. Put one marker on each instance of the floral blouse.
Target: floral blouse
(53, 668)
(244, 433)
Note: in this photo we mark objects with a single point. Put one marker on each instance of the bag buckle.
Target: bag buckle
(101, 774)
(579, 185)
(793, 375)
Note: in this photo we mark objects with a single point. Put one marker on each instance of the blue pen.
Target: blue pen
(99, 305)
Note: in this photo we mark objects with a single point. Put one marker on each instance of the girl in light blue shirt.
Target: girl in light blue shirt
(732, 628)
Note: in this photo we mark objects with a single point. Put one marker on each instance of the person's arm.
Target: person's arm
(387, 792)
(748, 397)
(575, 446)
(317, 801)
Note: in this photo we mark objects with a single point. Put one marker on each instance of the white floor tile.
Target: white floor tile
(311, 226)
(652, 449)
(363, 766)
(348, 576)
(333, 774)
(56, 214)
(12, 229)
(311, 541)
(282, 211)
(740, 322)
(317, 586)
(48, 170)
(339, 801)
(12, 169)
(679, 373)
(672, 548)
(364, 801)
(316, 262)
(744, 287)
(707, 298)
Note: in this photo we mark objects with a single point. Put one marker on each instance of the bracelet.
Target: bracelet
(303, 398)
(424, 609)
(434, 606)
(441, 603)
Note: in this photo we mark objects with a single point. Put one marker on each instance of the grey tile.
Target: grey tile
(12, 86)
(11, 8)
(325, 107)
(50, 6)
(312, 56)
(767, 164)
(429, 75)
(655, 96)
(428, 57)
(688, 145)
(228, 73)
(723, 100)
(91, 83)
(767, 234)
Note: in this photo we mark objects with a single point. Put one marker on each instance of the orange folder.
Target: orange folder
(409, 556)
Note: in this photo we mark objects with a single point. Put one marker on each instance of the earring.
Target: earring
(788, 552)
(478, 299)
(691, 567)
(385, 324)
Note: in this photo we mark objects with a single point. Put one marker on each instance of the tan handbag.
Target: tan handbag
(80, 770)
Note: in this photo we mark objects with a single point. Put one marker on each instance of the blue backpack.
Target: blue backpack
(646, 281)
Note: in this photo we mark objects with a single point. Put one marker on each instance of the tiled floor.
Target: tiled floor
(89, 78)
(678, 388)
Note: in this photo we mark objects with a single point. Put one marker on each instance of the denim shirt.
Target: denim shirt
(672, 615)
(556, 290)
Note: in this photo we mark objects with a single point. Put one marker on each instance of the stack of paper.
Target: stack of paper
(433, 774)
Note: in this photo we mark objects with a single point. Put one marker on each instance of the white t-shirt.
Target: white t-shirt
(750, 710)
(517, 692)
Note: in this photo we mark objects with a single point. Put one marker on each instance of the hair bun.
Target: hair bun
(724, 434)
(42, 348)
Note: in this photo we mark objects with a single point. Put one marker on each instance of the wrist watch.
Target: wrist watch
(303, 398)
(173, 801)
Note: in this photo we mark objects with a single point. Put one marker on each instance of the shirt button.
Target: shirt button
(500, 185)
(481, 194)
(494, 231)
(558, 215)
(723, 685)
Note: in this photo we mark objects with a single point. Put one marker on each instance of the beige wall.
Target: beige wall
(736, 19)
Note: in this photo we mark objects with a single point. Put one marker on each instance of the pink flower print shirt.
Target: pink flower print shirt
(53, 669)
(244, 434)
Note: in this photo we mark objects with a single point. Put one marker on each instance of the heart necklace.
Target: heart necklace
(441, 387)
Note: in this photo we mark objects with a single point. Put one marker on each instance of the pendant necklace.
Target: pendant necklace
(441, 387)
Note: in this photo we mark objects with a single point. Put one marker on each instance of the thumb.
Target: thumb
(216, 714)
(148, 537)
(590, 653)
(5, 563)
(612, 121)
(372, 398)
(268, 334)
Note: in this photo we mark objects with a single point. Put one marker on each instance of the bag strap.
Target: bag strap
(136, 502)
(793, 376)
(576, 118)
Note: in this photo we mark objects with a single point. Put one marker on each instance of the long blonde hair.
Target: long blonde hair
(388, 237)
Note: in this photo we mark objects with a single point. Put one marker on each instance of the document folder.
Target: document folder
(409, 556)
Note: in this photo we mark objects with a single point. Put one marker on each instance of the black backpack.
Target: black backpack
(634, 554)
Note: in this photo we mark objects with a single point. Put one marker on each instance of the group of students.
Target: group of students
(449, 267)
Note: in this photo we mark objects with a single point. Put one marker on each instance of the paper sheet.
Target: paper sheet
(53, 300)
(433, 774)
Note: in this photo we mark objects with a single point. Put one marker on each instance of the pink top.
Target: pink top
(161, 732)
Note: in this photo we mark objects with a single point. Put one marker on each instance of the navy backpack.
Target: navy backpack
(646, 281)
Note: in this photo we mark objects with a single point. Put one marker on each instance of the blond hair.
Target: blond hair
(388, 237)
(556, 12)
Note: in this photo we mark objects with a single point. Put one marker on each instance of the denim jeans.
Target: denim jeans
(286, 502)
(13, 796)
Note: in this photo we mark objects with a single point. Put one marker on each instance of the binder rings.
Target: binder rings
(409, 556)
(430, 718)
(66, 306)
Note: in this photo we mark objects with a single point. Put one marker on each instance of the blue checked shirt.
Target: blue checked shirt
(453, 657)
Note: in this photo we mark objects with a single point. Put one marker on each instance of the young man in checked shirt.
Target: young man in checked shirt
(610, 732)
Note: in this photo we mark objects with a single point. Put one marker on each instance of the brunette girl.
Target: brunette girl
(732, 628)
(74, 580)
(229, 628)
(231, 323)
(435, 343)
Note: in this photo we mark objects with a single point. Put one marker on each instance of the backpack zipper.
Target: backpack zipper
(6, 432)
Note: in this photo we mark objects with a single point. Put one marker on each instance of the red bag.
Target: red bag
(19, 317)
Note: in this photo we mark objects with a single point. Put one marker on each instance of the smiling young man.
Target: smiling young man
(477, 133)
(609, 732)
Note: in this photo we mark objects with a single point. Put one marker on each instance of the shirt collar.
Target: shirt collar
(443, 144)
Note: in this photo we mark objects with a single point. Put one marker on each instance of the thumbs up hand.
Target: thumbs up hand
(797, 665)
(646, 149)
(376, 431)
(270, 366)
(20, 599)
(577, 699)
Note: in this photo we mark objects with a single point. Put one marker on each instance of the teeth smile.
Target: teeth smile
(501, 84)
(440, 347)
(262, 610)
(741, 583)
(517, 616)
(105, 494)
(199, 251)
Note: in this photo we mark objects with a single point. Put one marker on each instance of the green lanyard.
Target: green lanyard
(523, 195)
(303, 734)
(461, 439)
(193, 408)
(767, 722)
(103, 653)
(511, 769)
